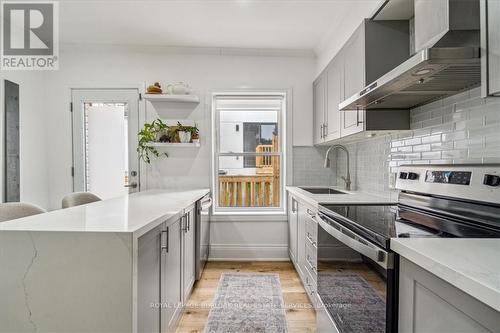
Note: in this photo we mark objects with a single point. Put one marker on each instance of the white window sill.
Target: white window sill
(249, 217)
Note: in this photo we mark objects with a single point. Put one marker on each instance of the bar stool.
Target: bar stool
(79, 198)
(17, 210)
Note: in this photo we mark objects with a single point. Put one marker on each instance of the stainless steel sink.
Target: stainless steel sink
(321, 190)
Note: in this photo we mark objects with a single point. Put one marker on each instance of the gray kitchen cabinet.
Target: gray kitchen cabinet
(353, 55)
(159, 274)
(434, 19)
(429, 304)
(148, 278)
(375, 48)
(301, 244)
(490, 47)
(171, 274)
(319, 107)
(188, 247)
(292, 228)
(334, 93)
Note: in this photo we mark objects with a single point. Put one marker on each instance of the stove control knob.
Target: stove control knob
(491, 180)
(403, 175)
(412, 176)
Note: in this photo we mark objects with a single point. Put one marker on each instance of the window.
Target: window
(248, 152)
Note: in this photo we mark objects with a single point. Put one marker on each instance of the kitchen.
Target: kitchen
(372, 113)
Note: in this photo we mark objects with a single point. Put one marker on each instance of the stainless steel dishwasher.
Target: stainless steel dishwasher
(202, 233)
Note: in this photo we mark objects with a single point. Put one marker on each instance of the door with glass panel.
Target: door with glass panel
(105, 127)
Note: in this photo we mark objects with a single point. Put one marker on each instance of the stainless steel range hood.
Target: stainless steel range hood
(431, 74)
(447, 61)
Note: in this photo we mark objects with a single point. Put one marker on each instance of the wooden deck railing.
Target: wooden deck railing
(264, 163)
(259, 190)
(248, 191)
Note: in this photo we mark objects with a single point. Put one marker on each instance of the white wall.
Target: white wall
(33, 135)
(207, 71)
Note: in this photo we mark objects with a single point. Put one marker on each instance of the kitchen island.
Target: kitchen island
(101, 267)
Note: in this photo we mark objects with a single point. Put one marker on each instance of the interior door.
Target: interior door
(105, 127)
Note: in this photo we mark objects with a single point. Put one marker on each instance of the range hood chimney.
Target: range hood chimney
(446, 62)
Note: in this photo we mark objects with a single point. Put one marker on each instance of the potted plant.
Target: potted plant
(186, 132)
(156, 131)
(195, 134)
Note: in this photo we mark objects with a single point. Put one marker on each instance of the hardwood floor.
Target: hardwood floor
(299, 313)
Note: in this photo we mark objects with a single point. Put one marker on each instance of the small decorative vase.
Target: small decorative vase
(184, 137)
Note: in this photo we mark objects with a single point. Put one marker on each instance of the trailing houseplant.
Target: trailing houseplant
(149, 134)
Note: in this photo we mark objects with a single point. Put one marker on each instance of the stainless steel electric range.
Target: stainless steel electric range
(358, 272)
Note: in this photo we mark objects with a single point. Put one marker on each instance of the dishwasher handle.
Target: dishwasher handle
(206, 204)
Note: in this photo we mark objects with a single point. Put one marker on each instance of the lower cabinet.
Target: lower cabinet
(148, 275)
(306, 247)
(422, 295)
(171, 274)
(188, 247)
(165, 272)
(292, 227)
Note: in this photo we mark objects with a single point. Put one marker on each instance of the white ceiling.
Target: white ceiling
(261, 24)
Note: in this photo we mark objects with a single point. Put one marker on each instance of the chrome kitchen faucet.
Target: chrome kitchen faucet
(347, 178)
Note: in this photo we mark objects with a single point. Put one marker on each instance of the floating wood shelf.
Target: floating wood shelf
(174, 144)
(172, 98)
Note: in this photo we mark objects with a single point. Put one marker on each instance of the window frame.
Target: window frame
(282, 137)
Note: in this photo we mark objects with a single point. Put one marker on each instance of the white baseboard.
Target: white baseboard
(248, 252)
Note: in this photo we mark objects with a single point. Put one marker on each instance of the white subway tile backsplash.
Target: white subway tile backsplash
(458, 135)
(448, 127)
(431, 155)
(454, 154)
(425, 147)
(414, 141)
(432, 122)
(432, 138)
(463, 128)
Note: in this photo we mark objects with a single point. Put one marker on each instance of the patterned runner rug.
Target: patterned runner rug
(247, 303)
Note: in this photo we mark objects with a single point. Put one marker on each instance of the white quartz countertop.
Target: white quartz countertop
(136, 213)
(350, 198)
(471, 265)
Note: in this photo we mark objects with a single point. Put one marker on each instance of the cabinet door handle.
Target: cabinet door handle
(188, 219)
(321, 131)
(164, 240)
(311, 213)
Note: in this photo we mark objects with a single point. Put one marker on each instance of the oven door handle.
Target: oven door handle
(363, 247)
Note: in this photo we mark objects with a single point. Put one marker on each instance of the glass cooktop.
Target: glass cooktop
(377, 223)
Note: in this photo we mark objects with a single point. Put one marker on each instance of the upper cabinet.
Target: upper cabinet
(319, 106)
(334, 93)
(361, 60)
(490, 47)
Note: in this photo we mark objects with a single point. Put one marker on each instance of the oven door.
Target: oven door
(355, 280)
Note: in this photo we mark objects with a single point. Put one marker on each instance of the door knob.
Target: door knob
(132, 185)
